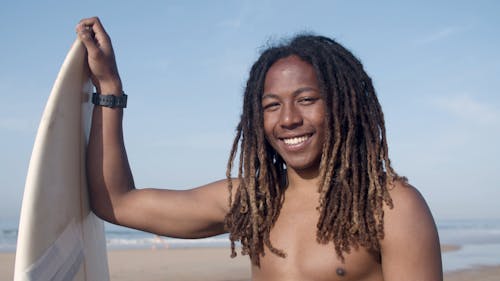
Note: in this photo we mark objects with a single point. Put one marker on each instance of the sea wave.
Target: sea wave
(163, 242)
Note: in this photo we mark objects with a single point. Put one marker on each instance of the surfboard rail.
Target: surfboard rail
(59, 237)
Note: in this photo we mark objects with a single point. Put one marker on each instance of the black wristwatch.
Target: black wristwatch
(110, 100)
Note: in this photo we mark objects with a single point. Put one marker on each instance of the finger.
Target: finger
(86, 36)
(97, 32)
(85, 31)
(95, 25)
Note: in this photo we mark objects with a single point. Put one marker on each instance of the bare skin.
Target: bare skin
(293, 112)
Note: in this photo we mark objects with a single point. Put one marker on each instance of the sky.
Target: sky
(435, 66)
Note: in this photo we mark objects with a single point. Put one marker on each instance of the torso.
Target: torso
(295, 233)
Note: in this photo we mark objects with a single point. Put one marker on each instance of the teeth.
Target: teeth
(294, 141)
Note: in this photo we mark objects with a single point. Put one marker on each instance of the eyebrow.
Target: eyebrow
(295, 93)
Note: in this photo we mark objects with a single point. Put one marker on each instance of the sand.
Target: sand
(205, 264)
(177, 264)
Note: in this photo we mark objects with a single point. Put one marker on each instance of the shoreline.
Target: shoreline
(450, 248)
(476, 273)
(191, 264)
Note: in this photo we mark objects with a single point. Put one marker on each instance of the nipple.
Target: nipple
(340, 271)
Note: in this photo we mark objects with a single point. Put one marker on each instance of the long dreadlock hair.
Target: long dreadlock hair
(355, 170)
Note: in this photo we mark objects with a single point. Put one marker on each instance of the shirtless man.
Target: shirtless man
(316, 197)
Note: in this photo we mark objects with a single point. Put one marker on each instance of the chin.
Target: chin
(305, 167)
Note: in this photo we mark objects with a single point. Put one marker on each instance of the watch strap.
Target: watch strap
(111, 101)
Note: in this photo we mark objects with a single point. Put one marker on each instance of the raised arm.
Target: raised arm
(193, 213)
(410, 248)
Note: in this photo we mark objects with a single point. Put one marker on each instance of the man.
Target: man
(316, 197)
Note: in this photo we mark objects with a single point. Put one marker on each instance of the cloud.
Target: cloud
(440, 34)
(465, 106)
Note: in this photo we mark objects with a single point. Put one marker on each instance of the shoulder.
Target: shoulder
(406, 199)
(410, 244)
(410, 211)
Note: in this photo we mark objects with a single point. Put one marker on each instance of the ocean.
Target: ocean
(479, 241)
(118, 237)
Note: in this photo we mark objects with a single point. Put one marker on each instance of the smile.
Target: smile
(296, 140)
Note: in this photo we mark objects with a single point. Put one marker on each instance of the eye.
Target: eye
(270, 106)
(307, 100)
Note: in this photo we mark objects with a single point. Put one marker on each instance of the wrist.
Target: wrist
(110, 88)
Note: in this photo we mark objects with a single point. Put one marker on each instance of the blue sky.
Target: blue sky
(435, 66)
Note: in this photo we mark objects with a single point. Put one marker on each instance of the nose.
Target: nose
(290, 117)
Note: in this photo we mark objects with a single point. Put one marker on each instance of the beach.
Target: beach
(207, 264)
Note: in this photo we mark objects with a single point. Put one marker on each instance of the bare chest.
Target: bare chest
(306, 259)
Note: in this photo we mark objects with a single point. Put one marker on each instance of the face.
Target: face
(294, 113)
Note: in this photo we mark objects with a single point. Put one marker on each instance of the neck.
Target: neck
(303, 179)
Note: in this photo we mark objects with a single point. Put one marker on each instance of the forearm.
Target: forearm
(109, 173)
(196, 213)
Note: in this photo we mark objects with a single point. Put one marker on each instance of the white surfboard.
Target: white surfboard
(59, 237)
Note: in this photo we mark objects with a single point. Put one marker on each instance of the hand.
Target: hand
(101, 58)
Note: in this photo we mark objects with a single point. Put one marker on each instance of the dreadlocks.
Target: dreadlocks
(355, 170)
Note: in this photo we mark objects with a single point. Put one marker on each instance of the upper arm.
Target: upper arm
(194, 213)
(410, 249)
